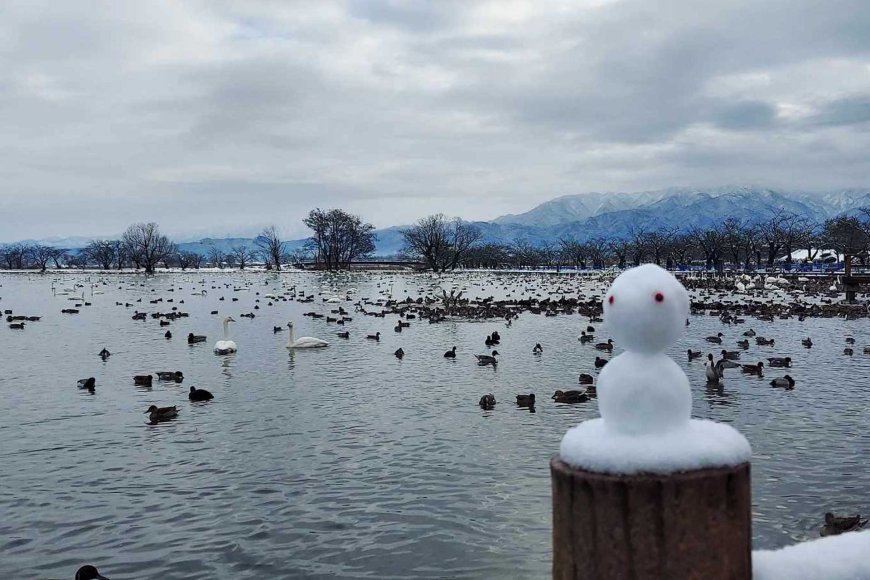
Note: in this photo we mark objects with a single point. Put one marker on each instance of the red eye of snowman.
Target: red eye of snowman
(660, 297)
(610, 300)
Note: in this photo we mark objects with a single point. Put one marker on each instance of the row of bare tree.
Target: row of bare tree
(340, 238)
(443, 244)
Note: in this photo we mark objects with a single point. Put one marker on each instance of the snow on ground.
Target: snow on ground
(843, 557)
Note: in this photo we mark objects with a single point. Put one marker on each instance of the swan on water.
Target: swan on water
(304, 341)
(226, 346)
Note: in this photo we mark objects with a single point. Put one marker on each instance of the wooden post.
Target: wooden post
(694, 524)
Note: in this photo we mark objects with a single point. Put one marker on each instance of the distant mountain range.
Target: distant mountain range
(589, 215)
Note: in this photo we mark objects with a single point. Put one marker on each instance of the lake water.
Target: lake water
(346, 462)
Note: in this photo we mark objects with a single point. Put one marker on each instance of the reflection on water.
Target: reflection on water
(347, 462)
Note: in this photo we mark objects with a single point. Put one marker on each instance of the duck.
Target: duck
(850, 340)
(277, 329)
(605, 345)
(344, 334)
(486, 359)
(398, 328)
(756, 369)
(750, 333)
(167, 335)
(570, 397)
(848, 351)
(17, 326)
(711, 371)
(760, 340)
(730, 355)
(538, 349)
(450, 353)
(376, 336)
(693, 354)
(744, 344)
(142, 380)
(400, 353)
(176, 376)
(194, 338)
(807, 342)
(526, 400)
(88, 572)
(496, 337)
(717, 339)
(158, 414)
(835, 525)
(586, 379)
(600, 362)
(785, 381)
(104, 354)
(88, 384)
(777, 361)
(199, 395)
(585, 337)
(487, 402)
(488, 341)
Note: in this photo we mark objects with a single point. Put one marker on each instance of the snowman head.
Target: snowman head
(645, 309)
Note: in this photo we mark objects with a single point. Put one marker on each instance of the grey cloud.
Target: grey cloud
(219, 116)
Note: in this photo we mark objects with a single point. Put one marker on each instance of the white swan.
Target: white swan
(225, 346)
(304, 341)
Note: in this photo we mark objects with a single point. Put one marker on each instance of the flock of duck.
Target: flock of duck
(562, 296)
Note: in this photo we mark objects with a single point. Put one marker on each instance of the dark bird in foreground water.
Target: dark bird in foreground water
(785, 382)
(570, 397)
(158, 414)
(89, 384)
(199, 395)
(526, 400)
(104, 354)
(487, 402)
(450, 353)
(600, 362)
(835, 525)
(399, 353)
(756, 369)
(605, 345)
(88, 572)
(486, 359)
(586, 379)
(144, 380)
(538, 349)
(693, 354)
(194, 338)
(779, 361)
(176, 376)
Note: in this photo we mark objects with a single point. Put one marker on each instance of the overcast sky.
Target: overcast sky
(218, 117)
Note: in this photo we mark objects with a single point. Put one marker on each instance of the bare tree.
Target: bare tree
(271, 246)
(599, 251)
(242, 255)
(216, 256)
(41, 255)
(573, 252)
(102, 253)
(845, 235)
(338, 237)
(658, 243)
(186, 259)
(710, 241)
(620, 248)
(440, 242)
(146, 246)
(638, 238)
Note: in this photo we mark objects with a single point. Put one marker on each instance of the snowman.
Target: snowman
(643, 390)
(643, 395)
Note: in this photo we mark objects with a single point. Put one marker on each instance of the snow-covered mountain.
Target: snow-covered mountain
(612, 215)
